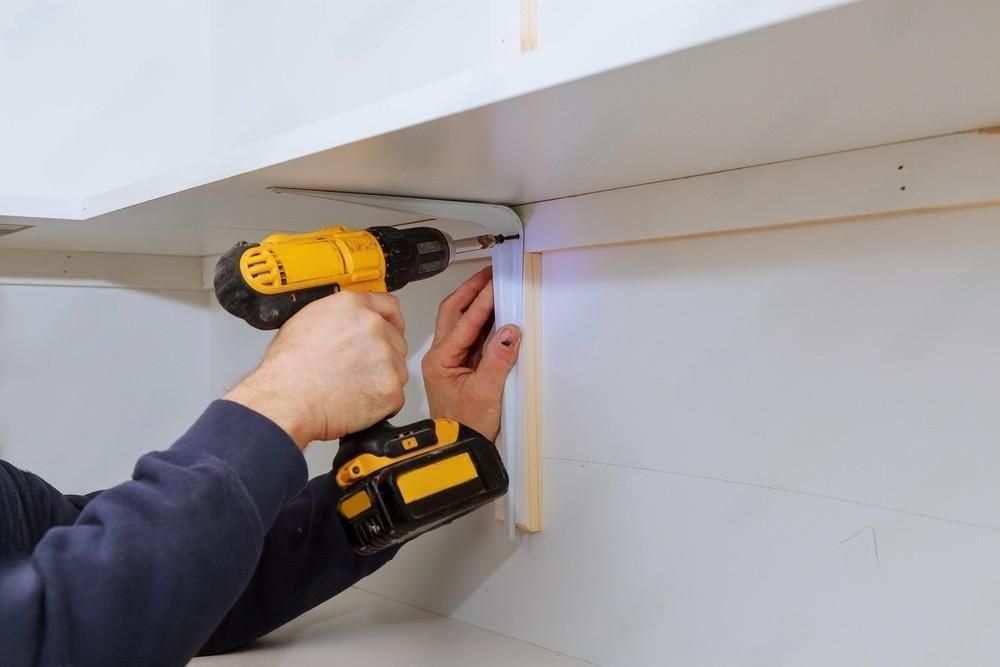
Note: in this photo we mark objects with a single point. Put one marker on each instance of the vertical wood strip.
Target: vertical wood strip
(529, 25)
(531, 366)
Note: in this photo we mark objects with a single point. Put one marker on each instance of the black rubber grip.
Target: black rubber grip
(261, 311)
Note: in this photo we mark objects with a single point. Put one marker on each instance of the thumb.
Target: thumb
(499, 357)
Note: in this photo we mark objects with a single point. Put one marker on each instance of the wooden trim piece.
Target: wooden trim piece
(531, 358)
(531, 367)
(949, 172)
(529, 25)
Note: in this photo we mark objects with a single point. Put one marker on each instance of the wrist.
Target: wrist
(291, 416)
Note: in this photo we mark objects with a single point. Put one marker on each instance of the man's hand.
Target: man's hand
(463, 372)
(337, 367)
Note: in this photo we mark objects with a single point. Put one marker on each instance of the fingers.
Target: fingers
(387, 306)
(499, 358)
(401, 371)
(385, 392)
(457, 343)
(476, 354)
(392, 328)
(396, 340)
(457, 302)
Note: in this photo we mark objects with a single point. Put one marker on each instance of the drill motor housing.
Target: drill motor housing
(266, 283)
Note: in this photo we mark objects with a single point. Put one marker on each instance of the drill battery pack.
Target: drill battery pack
(402, 481)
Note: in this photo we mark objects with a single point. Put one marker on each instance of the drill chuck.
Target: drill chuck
(412, 254)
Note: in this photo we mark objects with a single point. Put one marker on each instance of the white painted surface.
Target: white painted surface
(508, 151)
(91, 379)
(482, 135)
(697, 109)
(730, 424)
(191, 224)
(277, 69)
(358, 628)
(954, 171)
(94, 269)
(98, 93)
(638, 568)
(521, 138)
(856, 360)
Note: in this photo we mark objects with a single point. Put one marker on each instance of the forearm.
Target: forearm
(306, 560)
(151, 566)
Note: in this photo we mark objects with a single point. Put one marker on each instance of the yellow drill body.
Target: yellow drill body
(352, 259)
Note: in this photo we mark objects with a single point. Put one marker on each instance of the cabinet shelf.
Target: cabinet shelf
(654, 103)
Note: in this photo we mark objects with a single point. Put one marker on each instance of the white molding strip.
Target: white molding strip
(954, 171)
(98, 269)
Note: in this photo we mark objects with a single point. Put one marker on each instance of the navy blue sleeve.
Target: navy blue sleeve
(150, 567)
(29, 506)
(306, 561)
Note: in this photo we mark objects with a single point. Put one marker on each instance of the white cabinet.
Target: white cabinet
(640, 93)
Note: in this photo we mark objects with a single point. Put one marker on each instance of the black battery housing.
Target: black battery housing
(391, 520)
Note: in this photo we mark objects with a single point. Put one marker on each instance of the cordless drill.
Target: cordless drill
(398, 482)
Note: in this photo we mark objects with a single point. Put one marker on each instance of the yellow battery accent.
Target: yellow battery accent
(420, 483)
(353, 259)
(352, 506)
(359, 467)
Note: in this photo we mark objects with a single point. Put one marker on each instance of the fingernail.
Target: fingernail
(508, 335)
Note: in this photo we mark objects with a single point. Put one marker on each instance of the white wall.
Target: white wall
(767, 448)
(92, 378)
(763, 448)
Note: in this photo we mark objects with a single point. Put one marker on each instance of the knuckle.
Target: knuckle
(386, 352)
(380, 390)
(388, 376)
(370, 321)
(397, 399)
(389, 391)
(349, 298)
